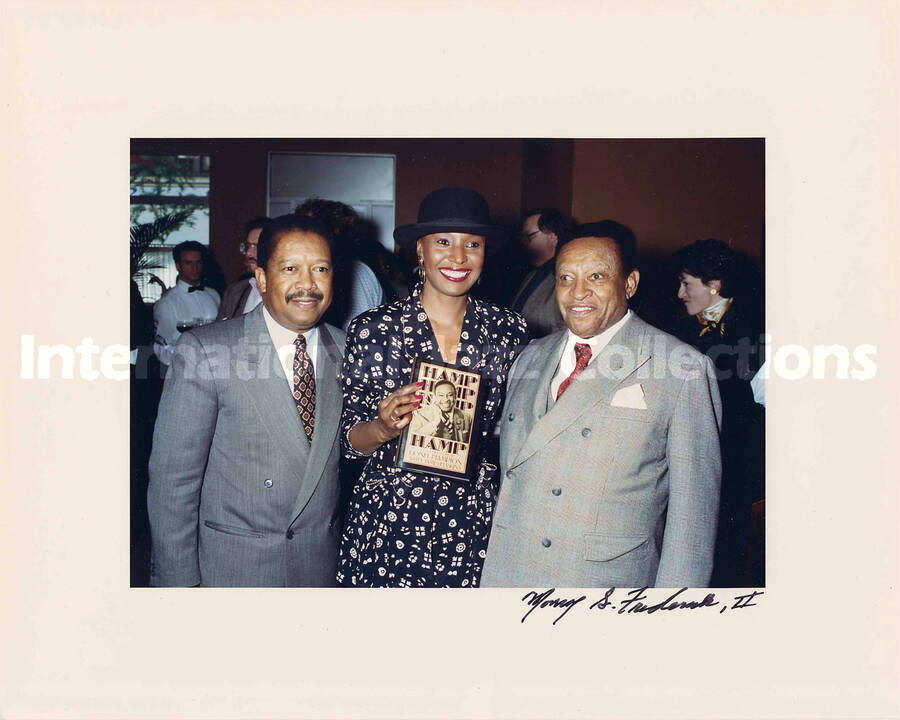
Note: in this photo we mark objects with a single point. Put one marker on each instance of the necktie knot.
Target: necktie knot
(582, 354)
(582, 358)
(300, 341)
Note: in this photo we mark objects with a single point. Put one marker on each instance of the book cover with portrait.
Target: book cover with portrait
(442, 437)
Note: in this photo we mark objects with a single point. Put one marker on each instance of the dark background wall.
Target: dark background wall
(672, 192)
(669, 191)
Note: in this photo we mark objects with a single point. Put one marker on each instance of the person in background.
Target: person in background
(244, 470)
(410, 529)
(357, 287)
(243, 295)
(543, 232)
(720, 325)
(392, 271)
(609, 441)
(187, 304)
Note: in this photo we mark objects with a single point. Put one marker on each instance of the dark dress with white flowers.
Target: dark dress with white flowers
(407, 529)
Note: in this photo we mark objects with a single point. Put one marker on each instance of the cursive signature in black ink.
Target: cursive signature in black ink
(633, 604)
(543, 600)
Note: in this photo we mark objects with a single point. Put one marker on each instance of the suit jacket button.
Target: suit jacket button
(556, 491)
(267, 482)
(546, 542)
(510, 474)
(512, 416)
(585, 432)
(289, 534)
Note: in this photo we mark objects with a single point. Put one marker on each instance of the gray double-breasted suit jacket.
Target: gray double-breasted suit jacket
(237, 496)
(617, 483)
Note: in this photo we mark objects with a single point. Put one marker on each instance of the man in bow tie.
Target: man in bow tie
(244, 471)
(187, 304)
(609, 440)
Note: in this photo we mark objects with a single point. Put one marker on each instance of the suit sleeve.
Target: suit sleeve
(181, 444)
(165, 323)
(695, 472)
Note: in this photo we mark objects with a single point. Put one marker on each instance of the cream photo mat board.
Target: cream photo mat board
(817, 80)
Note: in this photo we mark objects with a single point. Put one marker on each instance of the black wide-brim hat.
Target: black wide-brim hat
(453, 209)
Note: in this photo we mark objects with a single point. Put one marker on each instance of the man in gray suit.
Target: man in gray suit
(543, 231)
(609, 441)
(244, 471)
(243, 295)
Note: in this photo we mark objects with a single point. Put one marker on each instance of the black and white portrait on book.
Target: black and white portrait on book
(442, 429)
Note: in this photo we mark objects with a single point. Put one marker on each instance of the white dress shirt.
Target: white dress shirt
(596, 343)
(176, 306)
(283, 339)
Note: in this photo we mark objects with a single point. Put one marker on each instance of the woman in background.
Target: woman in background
(407, 529)
(720, 324)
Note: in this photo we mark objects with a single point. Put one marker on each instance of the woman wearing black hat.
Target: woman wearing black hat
(408, 529)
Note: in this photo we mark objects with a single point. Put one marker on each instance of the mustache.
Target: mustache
(304, 294)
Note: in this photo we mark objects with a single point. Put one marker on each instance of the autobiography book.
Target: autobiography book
(445, 430)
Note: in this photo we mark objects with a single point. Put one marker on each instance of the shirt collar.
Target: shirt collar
(183, 286)
(598, 342)
(282, 336)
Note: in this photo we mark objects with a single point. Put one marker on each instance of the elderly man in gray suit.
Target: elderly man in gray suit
(609, 441)
(244, 471)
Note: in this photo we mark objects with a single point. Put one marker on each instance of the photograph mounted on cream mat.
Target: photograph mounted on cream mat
(767, 126)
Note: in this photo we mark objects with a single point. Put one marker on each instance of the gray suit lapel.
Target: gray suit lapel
(527, 401)
(545, 377)
(617, 361)
(329, 398)
(268, 389)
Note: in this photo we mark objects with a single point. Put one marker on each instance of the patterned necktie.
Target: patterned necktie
(304, 387)
(582, 358)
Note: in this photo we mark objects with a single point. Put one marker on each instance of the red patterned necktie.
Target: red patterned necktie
(582, 358)
(304, 387)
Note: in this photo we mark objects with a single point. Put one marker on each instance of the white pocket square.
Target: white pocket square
(630, 397)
